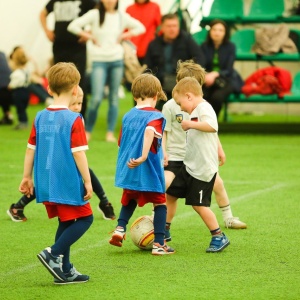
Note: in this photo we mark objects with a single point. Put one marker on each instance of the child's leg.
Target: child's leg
(159, 221)
(104, 206)
(16, 209)
(67, 234)
(120, 232)
(126, 213)
(97, 188)
(208, 217)
(224, 204)
(219, 240)
(171, 211)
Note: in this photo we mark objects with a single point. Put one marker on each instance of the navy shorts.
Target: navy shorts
(196, 192)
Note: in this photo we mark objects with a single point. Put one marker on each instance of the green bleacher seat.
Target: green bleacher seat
(229, 11)
(244, 39)
(200, 36)
(295, 90)
(264, 11)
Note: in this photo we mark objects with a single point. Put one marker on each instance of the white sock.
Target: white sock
(226, 212)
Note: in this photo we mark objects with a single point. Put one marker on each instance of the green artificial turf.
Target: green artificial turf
(261, 176)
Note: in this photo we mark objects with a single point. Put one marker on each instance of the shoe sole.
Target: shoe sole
(238, 227)
(69, 282)
(116, 240)
(169, 239)
(52, 272)
(220, 249)
(164, 253)
(104, 217)
(13, 219)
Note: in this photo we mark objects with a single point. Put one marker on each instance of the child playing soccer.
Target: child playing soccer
(174, 141)
(195, 179)
(16, 210)
(56, 150)
(140, 162)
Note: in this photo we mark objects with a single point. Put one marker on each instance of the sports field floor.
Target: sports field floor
(262, 179)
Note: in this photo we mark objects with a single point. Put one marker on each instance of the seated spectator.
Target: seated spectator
(166, 49)
(19, 81)
(37, 80)
(219, 55)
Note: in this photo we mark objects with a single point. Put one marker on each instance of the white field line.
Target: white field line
(244, 197)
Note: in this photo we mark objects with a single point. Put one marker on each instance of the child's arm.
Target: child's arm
(164, 143)
(201, 126)
(82, 164)
(26, 186)
(221, 153)
(148, 139)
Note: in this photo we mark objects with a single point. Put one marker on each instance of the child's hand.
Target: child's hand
(26, 187)
(185, 125)
(135, 162)
(88, 191)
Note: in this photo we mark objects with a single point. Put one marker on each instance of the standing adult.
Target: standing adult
(66, 46)
(148, 13)
(221, 79)
(108, 28)
(166, 49)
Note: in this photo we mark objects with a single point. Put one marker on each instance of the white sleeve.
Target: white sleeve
(133, 25)
(90, 18)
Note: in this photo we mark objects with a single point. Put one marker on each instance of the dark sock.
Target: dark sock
(159, 223)
(66, 235)
(98, 189)
(168, 226)
(216, 232)
(24, 200)
(126, 213)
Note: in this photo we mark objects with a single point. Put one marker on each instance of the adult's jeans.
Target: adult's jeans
(110, 73)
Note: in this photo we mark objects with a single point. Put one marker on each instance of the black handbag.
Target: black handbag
(221, 82)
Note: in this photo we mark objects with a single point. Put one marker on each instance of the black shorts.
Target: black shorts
(174, 166)
(195, 192)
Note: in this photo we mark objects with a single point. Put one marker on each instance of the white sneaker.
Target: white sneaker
(162, 250)
(235, 223)
(117, 237)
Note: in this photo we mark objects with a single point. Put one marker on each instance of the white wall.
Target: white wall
(20, 25)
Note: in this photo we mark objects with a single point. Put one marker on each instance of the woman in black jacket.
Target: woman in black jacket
(219, 55)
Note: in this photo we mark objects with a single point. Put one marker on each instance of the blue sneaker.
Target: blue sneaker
(218, 243)
(52, 263)
(73, 277)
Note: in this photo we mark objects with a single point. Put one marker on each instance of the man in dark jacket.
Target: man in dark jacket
(166, 49)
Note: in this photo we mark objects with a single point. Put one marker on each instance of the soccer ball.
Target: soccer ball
(142, 232)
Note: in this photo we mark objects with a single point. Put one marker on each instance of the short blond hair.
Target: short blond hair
(62, 77)
(188, 85)
(147, 86)
(189, 68)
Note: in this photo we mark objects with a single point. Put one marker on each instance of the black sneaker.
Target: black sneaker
(72, 277)
(52, 263)
(107, 211)
(16, 214)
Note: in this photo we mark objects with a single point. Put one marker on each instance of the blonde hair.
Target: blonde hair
(62, 77)
(188, 85)
(19, 57)
(147, 86)
(189, 68)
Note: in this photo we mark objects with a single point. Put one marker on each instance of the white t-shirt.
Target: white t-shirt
(176, 136)
(201, 158)
(108, 48)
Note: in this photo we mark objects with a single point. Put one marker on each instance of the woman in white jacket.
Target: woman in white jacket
(108, 27)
